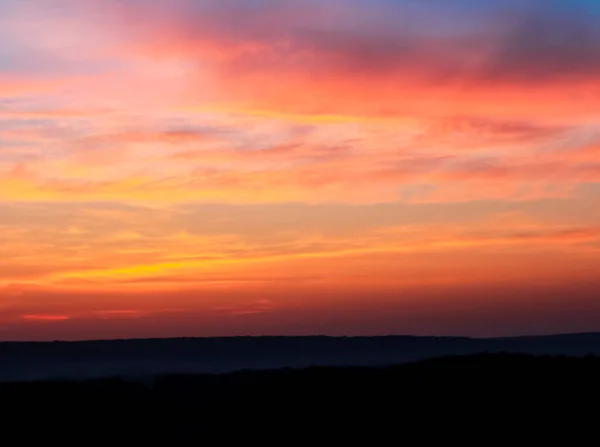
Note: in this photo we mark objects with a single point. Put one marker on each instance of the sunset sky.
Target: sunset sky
(341, 167)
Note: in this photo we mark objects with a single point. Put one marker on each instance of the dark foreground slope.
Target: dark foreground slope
(96, 359)
(485, 398)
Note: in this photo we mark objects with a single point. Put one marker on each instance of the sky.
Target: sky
(289, 167)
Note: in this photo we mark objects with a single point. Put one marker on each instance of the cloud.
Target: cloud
(48, 318)
(503, 159)
(15, 86)
(531, 39)
(150, 249)
(201, 101)
(361, 60)
(549, 42)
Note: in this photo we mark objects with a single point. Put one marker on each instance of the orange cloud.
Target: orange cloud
(46, 317)
(151, 249)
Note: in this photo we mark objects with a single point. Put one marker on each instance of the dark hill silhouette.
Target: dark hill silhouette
(486, 398)
(149, 357)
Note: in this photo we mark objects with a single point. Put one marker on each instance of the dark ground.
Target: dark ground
(489, 398)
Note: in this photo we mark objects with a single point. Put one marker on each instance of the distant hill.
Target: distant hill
(28, 361)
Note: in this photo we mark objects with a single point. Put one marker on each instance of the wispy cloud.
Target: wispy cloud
(49, 318)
